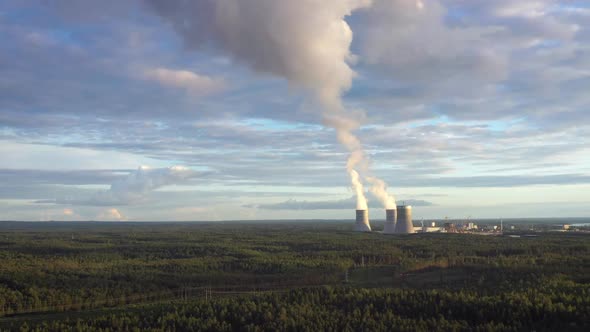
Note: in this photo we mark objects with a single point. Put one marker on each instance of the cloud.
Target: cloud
(497, 181)
(417, 46)
(466, 94)
(192, 82)
(28, 177)
(473, 60)
(111, 215)
(344, 204)
(131, 189)
(39, 39)
(135, 186)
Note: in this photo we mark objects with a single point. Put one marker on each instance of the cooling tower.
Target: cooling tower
(362, 221)
(404, 220)
(390, 219)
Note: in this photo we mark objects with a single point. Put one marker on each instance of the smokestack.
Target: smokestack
(390, 220)
(362, 221)
(404, 220)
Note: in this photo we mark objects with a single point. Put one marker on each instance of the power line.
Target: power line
(180, 293)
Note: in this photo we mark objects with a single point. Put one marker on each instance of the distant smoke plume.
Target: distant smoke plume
(379, 190)
(306, 42)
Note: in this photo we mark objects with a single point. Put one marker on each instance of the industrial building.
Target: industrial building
(428, 229)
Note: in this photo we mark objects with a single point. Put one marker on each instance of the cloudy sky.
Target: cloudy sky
(236, 109)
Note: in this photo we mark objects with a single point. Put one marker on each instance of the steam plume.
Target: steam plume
(361, 200)
(379, 190)
(307, 42)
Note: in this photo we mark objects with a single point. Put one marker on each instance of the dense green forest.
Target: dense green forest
(286, 276)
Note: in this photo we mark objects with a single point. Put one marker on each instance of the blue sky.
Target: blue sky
(152, 110)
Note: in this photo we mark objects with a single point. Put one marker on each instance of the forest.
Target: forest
(297, 276)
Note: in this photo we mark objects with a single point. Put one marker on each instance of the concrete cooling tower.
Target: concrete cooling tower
(404, 220)
(362, 221)
(390, 220)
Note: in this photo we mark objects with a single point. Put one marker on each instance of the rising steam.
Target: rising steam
(357, 186)
(306, 42)
(379, 190)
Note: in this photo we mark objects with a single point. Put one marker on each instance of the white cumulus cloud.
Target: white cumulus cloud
(192, 82)
(111, 215)
(133, 188)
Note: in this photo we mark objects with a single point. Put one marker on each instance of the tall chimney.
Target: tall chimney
(404, 220)
(362, 221)
(390, 220)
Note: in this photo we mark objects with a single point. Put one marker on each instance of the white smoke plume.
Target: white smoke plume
(379, 190)
(361, 200)
(307, 42)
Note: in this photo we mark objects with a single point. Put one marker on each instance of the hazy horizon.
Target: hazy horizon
(379, 222)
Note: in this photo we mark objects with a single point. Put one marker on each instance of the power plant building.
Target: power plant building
(362, 221)
(404, 220)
